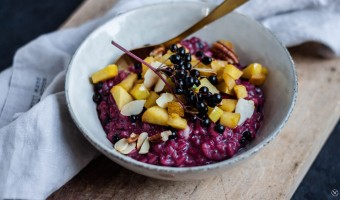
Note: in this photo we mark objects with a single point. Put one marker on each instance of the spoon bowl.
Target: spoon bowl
(224, 8)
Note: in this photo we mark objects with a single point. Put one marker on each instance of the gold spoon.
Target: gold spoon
(224, 8)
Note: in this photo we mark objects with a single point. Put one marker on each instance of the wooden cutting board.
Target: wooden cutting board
(274, 173)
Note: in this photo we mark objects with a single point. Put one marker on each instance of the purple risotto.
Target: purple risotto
(187, 105)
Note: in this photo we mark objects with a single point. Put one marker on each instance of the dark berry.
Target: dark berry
(180, 74)
(181, 51)
(189, 81)
(187, 65)
(173, 135)
(180, 82)
(98, 86)
(211, 103)
(259, 108)
(139, 75)
(189, 92)
(197, 82)
(247, 135)
(168, 71)
(194, 73)
(219, 128)
(133, 118)
(106, 121)
(205, 122)
(199, 54)
(179, 67)
(204, 90)
(199, 97)
(173, 48)
(243, 141)
(208, 96)
(199, 45)
(190, 98)
(178, 90)
(217, 98)
(201, 107)
(187, 57)
(206, 60)
(175, 59)
(115, 138)
(213, 80)
(138, 66)
(96, 97)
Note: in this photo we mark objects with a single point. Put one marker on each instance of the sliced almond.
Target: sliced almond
(143, 136)
(133, 138)
(150, 77)
(129, 148)
(133, 108)
(164, 99)
(160, 84)
(165, 135)
(121, 145)
(145, 147)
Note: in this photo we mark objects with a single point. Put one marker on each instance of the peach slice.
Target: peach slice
(156, 115)
(230, 120)
(108, 72)
(121, 96)
(140, 92)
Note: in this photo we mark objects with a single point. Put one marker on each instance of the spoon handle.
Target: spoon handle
(221, 10)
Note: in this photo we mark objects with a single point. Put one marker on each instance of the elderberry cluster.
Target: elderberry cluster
(186, 79)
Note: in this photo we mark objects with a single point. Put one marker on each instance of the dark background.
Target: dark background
(22, 21)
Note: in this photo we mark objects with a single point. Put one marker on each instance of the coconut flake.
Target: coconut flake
(245, 108)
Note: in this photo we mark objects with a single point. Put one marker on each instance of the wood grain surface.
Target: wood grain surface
(274, 173)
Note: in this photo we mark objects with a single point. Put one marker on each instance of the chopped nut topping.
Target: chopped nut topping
(133, 138)
(222, 51)
(129, 148)
(160, 137)
(121, 145)
(165, 135)
(124, 147)
(157, 138)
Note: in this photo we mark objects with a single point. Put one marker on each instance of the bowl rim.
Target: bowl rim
(178, 170)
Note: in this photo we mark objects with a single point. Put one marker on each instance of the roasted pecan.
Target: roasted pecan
(157, 138)
(133, 138)
(223, 52)
(160, 137)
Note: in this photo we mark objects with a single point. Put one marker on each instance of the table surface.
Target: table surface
(273, 173)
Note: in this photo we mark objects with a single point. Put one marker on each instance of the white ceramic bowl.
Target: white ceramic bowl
(155, 24)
